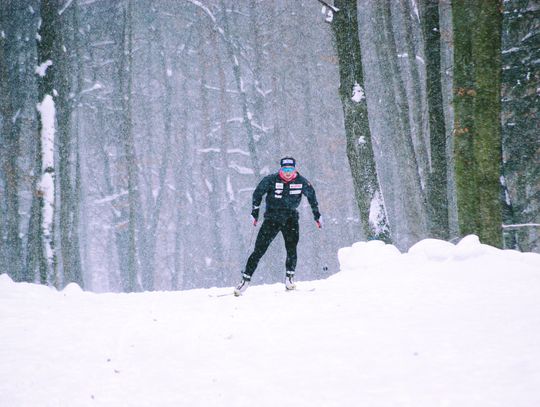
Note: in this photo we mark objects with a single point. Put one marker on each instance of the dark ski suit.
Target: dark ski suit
(282, 199)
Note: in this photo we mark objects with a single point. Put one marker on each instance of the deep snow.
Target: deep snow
(441, 325)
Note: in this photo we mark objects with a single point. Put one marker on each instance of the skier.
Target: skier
(283, 191)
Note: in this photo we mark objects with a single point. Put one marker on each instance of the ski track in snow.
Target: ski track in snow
(442, 325)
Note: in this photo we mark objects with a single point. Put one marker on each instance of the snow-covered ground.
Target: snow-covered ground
(441, 325)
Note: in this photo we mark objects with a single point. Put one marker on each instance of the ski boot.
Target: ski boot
(289, 281)
(243, 286)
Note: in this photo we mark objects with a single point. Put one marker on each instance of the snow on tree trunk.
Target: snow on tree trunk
(397, 167)
(46, 186)
(41, 241)
(358, 134)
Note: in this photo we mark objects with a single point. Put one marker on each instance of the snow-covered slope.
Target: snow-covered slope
(442, 325)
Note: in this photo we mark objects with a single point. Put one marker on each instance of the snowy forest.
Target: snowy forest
(134, 132)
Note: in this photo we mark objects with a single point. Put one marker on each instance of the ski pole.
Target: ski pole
(250, 242)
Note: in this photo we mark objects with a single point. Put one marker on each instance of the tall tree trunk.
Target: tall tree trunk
(157, 204)
(359, 144)
(464, 131)
(415, 98)
(437, 184)
(311, 152)
(487, 111)
(180, 181)
(209, 168)
(42, 250)
(148, 243)
(520, 100)
(413, 202)
(224, 112)
(234, 59)
(277, 148)
(257, 91)
(69, 239)
(180, 168)
(128, 144)
(10, 240)
(477, 135)
(78, 197)
(246, 114)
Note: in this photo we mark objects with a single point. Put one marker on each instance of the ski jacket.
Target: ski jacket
(283, 197)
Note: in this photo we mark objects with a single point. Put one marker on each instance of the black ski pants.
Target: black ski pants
(269, 230)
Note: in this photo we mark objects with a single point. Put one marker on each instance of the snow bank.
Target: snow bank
(366, 255)
(441, 325)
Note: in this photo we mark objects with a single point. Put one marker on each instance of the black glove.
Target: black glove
(316, 215)
(255, 213)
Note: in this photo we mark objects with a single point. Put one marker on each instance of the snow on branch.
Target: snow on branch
(68, 3)
(95, 86)
(237, 151)
(331, 7)
(216, 27)
(219, 89)
(328, 10)
(522, 225)
(209, 150)
(228, 151)
(240, 169)
(111, 198)
(209, 14)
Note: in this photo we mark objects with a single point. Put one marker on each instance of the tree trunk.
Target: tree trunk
(10, 240)
(246, 114)
(224, 112)
(413, 216)
(359, 144)
(520, 99)
(78, 197)
(277, 148)
(154, 205)
(415, 98)
(128, 144)
(68, 205)
(258, 98)
(180, 181)
(487, 111)
(213, 184)
(477, 136)
(43, 251)
(437, 185)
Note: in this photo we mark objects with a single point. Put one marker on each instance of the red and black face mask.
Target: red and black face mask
(287, 173)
